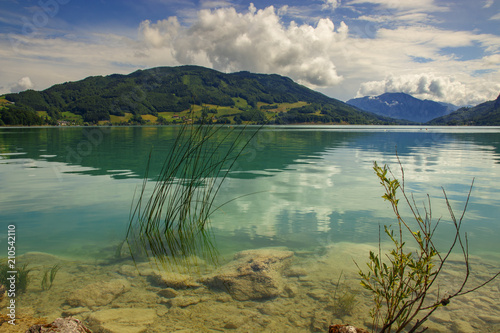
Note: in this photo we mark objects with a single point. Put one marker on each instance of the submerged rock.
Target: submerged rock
(122, 320)
(98, 294)
(168, 293)
(318, 294)
(184, 301)
(253, 275)
(296, 272)
(75, 311)
(60, 325)
(174, 280)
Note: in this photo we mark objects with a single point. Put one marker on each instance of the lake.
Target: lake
(306, 189)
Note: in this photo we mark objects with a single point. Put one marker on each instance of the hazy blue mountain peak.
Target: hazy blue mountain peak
(400, 105)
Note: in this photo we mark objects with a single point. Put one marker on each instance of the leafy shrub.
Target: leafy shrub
(401, 283)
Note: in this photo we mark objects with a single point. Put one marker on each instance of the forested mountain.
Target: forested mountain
(402, 106)
(14, 115)
(168, 90)
(485, 114)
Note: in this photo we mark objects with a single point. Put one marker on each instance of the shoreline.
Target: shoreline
(265, 125)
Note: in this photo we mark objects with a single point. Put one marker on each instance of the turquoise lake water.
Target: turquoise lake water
(308, 189)
(69, 190)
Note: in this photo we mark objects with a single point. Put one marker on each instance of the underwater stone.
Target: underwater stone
(168, 293)
(98, 294)
(174, 280)
(295, 272)
(291, 291)
(254, 274)
(234, 322)
(318, 294)
(298, 321)
(231, 326)
(224, 298)
(184, 301)
(75, 311)
(270, 309)
(60, 325)
(320, 324)
(134, 320)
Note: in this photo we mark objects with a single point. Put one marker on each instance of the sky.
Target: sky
(442, 50)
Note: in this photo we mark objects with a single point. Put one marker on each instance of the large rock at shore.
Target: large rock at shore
(98, 294)
(253, 275)
(122, 320)
(60, 325)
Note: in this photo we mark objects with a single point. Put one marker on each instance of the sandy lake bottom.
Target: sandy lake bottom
(310, 292)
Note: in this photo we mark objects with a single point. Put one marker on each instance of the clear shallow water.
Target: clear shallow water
(69, 190)
(309, 189)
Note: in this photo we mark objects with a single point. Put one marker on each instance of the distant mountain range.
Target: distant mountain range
(165, 91)
(403, 106)
(484, 114)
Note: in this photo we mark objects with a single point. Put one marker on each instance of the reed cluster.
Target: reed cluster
(21, 274)
(169, 221)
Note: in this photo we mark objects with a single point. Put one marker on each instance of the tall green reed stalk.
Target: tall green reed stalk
(49, 277)
(172, 224)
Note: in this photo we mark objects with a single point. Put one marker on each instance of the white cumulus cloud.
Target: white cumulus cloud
(21, 85)
(331, 4)
(408, 54)
(434, 87)
(256, 41)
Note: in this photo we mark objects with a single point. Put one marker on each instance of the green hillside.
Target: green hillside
(485, 114)
(171, 94)
(11, 114)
